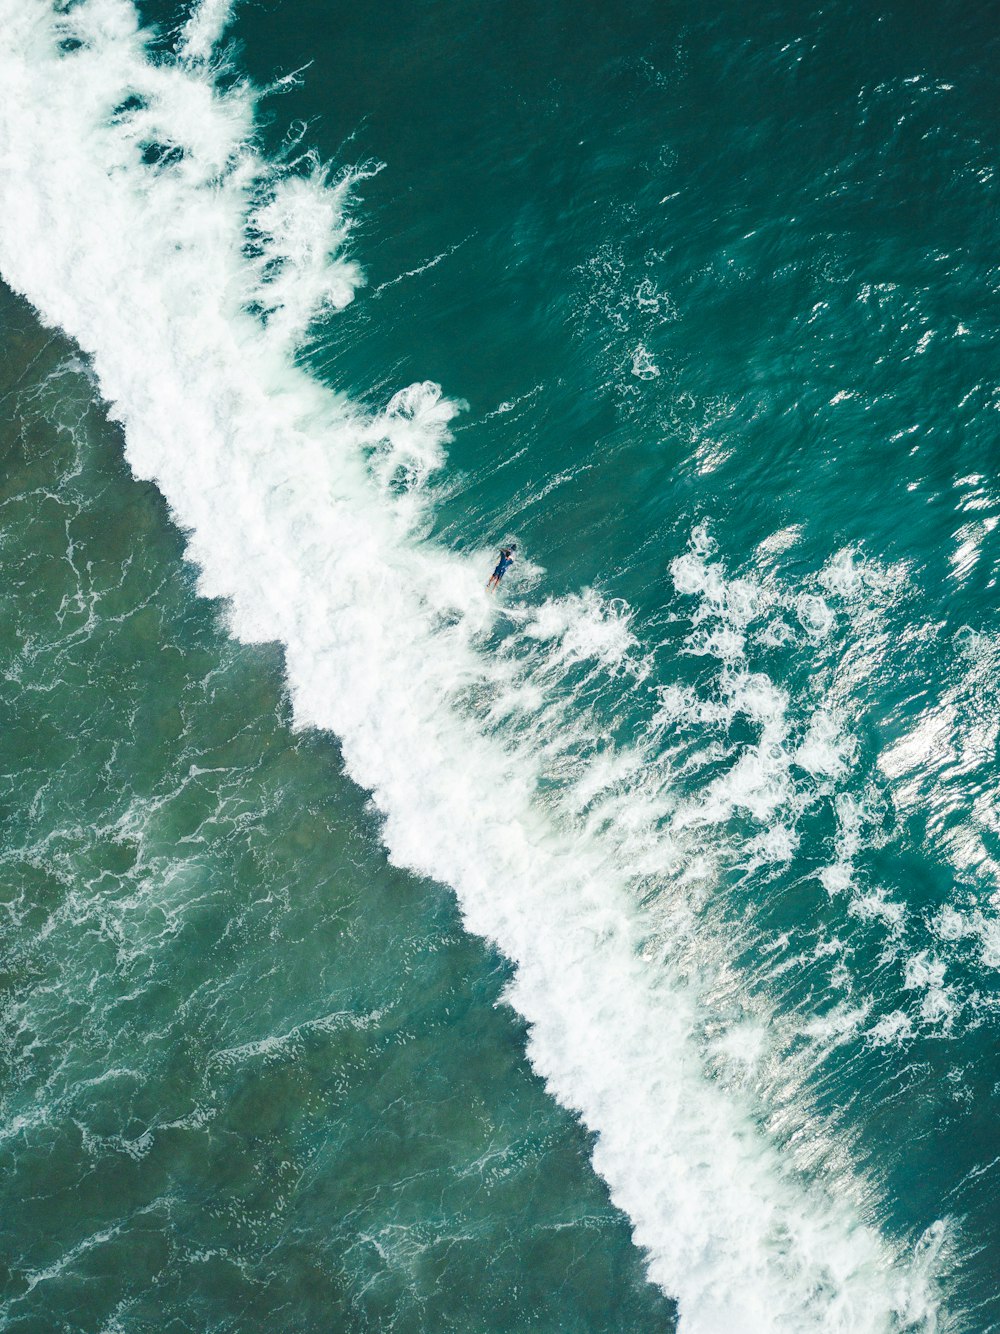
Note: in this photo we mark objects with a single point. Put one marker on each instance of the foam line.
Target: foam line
(138, 216)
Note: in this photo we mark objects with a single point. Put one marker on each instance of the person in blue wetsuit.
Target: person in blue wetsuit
(503, 564)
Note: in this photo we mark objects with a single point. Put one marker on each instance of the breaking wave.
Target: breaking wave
(140, 216)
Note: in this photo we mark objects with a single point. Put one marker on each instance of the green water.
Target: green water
(253, 1078)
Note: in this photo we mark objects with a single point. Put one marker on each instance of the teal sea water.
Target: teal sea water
(254, 1079)
(621, 953)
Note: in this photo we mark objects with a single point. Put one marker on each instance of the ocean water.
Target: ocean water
(619, 952)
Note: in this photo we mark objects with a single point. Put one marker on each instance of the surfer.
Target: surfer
(505, 561)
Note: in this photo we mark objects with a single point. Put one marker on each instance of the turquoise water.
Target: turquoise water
(681, 859)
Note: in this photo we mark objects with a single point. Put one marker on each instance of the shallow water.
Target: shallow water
(254, 1077)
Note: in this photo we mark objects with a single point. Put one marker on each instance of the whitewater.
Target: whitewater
(140, 216)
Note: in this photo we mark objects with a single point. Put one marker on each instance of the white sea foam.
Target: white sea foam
(892, 1030)
(203, 30)
(189, 277)
(926, 973)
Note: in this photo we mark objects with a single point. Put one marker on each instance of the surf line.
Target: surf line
(139, 217)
